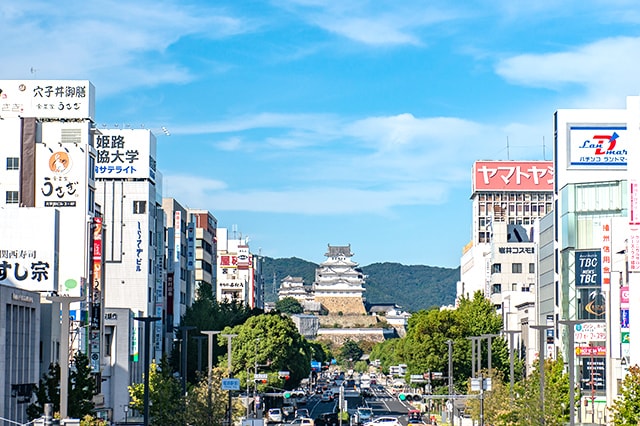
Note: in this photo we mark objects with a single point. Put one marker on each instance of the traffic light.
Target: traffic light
(298, 394)
(286, 395)
(409, 397)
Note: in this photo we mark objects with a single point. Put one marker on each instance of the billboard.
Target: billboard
(29, 248)
(70, 99)
(125, 153)
(61, 182)
(595, 146)
(588, 268)
(512, 176)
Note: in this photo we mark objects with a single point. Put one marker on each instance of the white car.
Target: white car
(302, 421)
(384, 421)
(274, 415)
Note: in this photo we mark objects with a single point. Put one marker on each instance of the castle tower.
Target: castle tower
(339, 284)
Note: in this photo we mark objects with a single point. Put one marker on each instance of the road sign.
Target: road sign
(283, 373)
(260, 376)
(230, 384)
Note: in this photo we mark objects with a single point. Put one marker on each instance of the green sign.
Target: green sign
(624, 337)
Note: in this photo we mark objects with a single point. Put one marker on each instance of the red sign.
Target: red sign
(513, 176)
(598, 351)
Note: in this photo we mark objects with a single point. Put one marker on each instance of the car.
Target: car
(362, 415)
(302, 421)
(302, 412)
(414, 418)
(384, 421)
(327, 419)
(274, 415)
(327, 396)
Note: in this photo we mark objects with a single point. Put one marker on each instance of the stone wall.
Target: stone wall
(337, 336)
(346, 305)
(348, 321)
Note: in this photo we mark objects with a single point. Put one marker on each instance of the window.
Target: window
(496, 288)
(13, 163)
(12, 197)
(525, 288)
(139, 207)
(514, 286)
(532, 268)
(516, 268)
(496, 268)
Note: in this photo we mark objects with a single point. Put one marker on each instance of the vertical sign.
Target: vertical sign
(588, 270)
(96, 296)
(177, 226)
(191, 246)
(605, 248)
(633, 244)
(135, 347)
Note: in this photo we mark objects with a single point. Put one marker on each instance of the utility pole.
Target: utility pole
(450, 374)
(210, 336)
(199, 339)
(185, 342)
(65, 302)
(511, 361)
(489, 337)
(147, 337)
(541, 361)
(230, 412)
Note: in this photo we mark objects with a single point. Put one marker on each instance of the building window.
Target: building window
(139, 207)
(532, 268)
(525, 288)
(516, 268)
(514, 286)
(496, 268)
(496, 288)
(12, 197)
(13, 163)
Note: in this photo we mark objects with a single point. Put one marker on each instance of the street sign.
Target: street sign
(230, 384)
(260, 376)
(283, 374)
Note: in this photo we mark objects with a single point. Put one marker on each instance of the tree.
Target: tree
(289, 305)
(83, 386)
(207, 406)
(350, 351)
(47, 391)
(81, 389)
(626, 408)
(272, 342)
(165, 396)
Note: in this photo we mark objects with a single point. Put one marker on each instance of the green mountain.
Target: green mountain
(412, 287)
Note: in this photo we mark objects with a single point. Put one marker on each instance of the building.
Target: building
(132, 246)
(295, 287)
(596, 247)
(339, 284)
(202, 228)
(239, 272)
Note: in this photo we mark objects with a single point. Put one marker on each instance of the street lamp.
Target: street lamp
(210, 335)
(450, 374)
(541, 359)
(147, 337)
(199, 339)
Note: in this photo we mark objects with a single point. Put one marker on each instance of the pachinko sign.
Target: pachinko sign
(598, 146)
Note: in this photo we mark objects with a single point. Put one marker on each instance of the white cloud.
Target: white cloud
(605, 71)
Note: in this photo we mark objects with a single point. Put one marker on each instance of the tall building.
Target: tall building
(132, 250)
(596, 246)
(202, 229)
(48, 157)
(180, 291)
(339, 284)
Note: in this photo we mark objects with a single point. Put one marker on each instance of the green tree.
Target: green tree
(350, 351)
(626, 408)
(83, 387)
(47, 391)
(289, 305)
(207, 405)
(165, 396)
(272, 342)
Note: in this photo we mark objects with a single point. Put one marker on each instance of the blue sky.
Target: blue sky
(312, 122)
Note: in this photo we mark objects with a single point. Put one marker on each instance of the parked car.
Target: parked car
(302, 412)
(274, 415)
(384, 421)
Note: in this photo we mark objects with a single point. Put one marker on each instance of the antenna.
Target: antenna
(234, 231)
(33, 71)
(544, 154)
(508, 148)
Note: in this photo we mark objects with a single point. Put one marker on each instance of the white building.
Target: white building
(239, 272)
(339, 284)
(132, 247)
(294, 287)
(596, 161)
